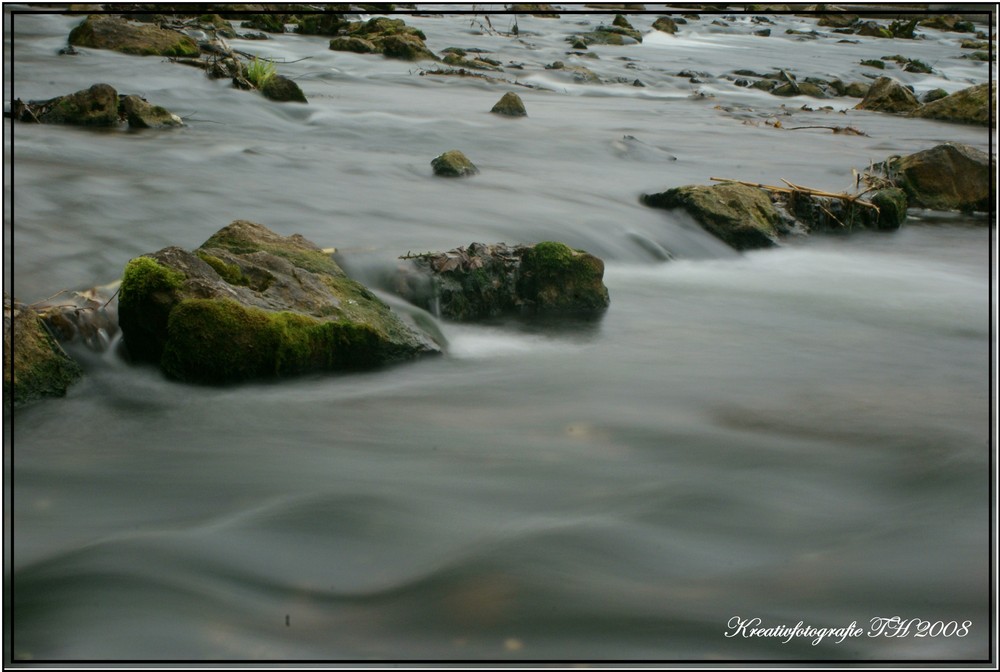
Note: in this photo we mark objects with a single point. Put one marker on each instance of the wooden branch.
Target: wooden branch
(797, 189)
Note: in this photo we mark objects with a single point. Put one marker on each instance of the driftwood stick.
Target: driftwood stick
(798, 189)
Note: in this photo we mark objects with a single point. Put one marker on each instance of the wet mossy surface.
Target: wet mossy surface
(250, 303)
(968, 106)
(558, 279)
(739, 215)
(110, 32)
(220, 341)
(34, 366)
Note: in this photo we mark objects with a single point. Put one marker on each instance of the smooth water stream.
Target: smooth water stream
(794, 434)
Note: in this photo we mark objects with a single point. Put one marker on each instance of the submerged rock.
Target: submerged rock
(888, 95)
(34, 366)
(947, 177)
(510, 105)
(968, 106)
(488, 281)
(453, 163)
(739, 215)
(110, 32)
(250, 303)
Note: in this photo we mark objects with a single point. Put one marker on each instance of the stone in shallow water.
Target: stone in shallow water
(510, 105)
(453, 163)
(250, 303)
(487, 281)
(35, 367)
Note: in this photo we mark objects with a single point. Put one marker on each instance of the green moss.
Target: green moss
(246, 238)
(144, 276)
(184, 48)
(218, 340)
(892, 208)
(35, 367)
(231, 273)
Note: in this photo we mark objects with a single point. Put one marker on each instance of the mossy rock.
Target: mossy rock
(857, 89)
(269, 23)
(356, 45)
(142, 114)
(250, 304)
(739, 215)
(481, 282)
(458, 61)
(537, 10)
(665, 24)
(406, 47)
(934, 94)
(968, 106)
(951, 176)
(282, 89)
(556, 279)
(888, 95)
(453, 163)
(109, 32)
(34, 365)
(874, 63)
(891, 204)
(321, 24)
(510, 105)
(96, 106)
(948, 22)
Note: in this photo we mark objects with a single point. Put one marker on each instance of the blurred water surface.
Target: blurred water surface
(795, 434)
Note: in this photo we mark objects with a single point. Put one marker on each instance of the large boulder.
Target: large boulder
(111, 32)
(947, 177)
(34, 366)
(488, 281)
(249, 304)
(969, 106)
(740, 215)
(888, 95)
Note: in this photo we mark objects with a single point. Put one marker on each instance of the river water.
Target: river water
(793, 434)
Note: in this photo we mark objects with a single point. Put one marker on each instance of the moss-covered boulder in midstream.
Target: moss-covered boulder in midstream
(968, 106)
(951, 176)
(739, 215)
(489, 281)
(34, 366)
(618, 33)
(251, 304)
(111, 32)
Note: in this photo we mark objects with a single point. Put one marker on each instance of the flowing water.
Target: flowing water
(793, 434)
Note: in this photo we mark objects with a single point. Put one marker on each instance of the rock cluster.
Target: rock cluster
(100, 105)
